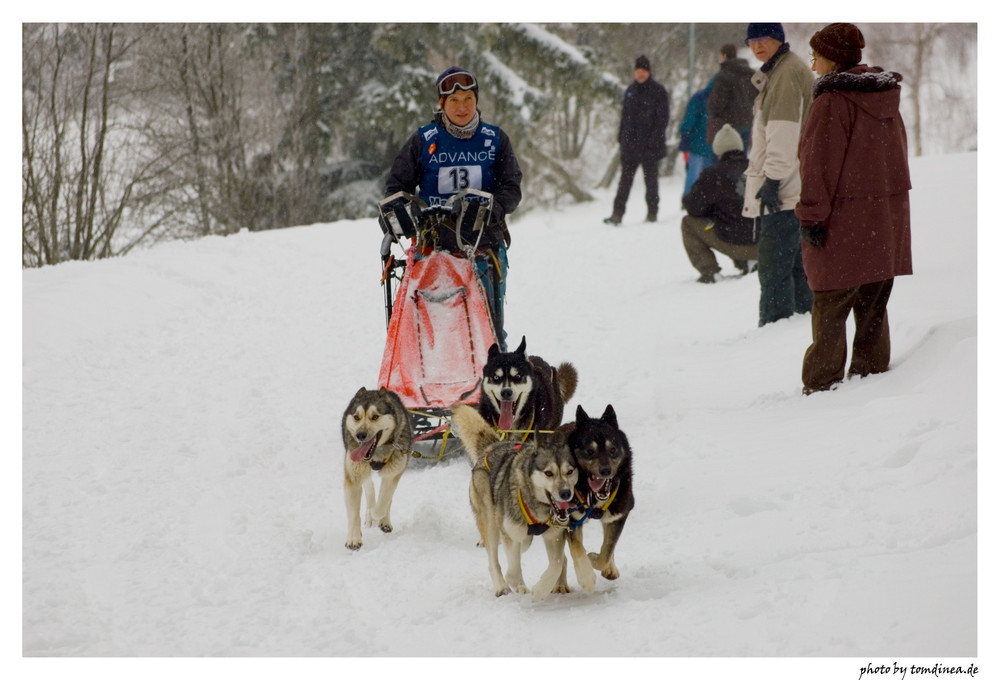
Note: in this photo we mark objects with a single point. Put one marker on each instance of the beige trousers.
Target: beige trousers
(700, 240)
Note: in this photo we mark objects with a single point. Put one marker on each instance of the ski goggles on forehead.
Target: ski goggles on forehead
(460, 80)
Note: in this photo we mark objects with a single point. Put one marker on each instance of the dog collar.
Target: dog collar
(377, 465)
(534, 526)
(591, 509)
(611, 498)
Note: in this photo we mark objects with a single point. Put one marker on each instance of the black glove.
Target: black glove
(768, 196)
(814, 234)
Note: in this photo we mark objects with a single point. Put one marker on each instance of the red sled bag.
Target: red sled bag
(439, 334)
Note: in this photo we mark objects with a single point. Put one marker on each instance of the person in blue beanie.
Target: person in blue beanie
(784, 83)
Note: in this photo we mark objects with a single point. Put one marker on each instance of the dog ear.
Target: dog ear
(523, 346)
(494, 350)
(609, 417)
(381, 391)
(362, 392)
(581, 415)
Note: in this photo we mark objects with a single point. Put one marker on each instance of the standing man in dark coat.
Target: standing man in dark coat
(643, 139)
(854, 207)
(732, 96)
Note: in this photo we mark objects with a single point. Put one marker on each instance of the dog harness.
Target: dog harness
(503, 433)
(535, 527)
(592, 510)
(611, 498)
(377, 465)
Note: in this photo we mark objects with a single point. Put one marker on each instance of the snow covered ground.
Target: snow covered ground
(182, 473)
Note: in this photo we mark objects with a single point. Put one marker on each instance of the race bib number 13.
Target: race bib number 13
(454, 178)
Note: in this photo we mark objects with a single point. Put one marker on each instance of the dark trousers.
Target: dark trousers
(824, 361)
(650, 172)
(494, 282)
(783, 287)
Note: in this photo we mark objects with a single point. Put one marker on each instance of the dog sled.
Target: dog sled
(438, 323)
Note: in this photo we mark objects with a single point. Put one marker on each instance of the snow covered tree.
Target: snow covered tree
(135, 132)
(540, 89)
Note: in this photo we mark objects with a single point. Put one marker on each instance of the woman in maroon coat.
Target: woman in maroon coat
(854, 207)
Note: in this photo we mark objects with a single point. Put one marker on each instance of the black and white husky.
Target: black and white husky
(524, 393)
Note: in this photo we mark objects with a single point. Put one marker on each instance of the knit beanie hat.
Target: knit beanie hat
(727, 139)
(840, 43)
(775, 31)
(642, 62)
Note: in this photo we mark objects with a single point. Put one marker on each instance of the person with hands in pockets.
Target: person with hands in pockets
(854, 207)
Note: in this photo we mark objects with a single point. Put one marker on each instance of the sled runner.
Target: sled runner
(439, 327)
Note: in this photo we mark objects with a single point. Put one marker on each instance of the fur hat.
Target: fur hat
(642, 62)
(727, 139)
(840, 43)
(775, 31)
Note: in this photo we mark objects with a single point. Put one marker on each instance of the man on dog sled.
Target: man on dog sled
(457, 151)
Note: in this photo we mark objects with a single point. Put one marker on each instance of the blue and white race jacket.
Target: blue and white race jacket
(435, 166)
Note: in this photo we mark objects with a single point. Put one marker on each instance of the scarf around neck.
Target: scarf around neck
(785, 47)
(459, 132)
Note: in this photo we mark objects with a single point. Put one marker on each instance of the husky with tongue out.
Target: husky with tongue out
(377, 433)
(522, 393)
(520, 490)
(605, 482)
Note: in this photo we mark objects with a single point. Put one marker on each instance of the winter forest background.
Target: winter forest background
(138, 133)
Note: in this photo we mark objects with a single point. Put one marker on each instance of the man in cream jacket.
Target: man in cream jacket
(785, 85)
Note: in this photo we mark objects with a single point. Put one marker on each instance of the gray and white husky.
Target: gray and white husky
(377, 433)
(519, 490)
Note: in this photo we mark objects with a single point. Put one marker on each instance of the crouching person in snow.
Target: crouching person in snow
(457, 151)
(854, 207)
(714, 204)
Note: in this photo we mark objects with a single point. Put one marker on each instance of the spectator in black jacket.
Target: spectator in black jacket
(732, 96)
(715, 206)
(643, 139)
